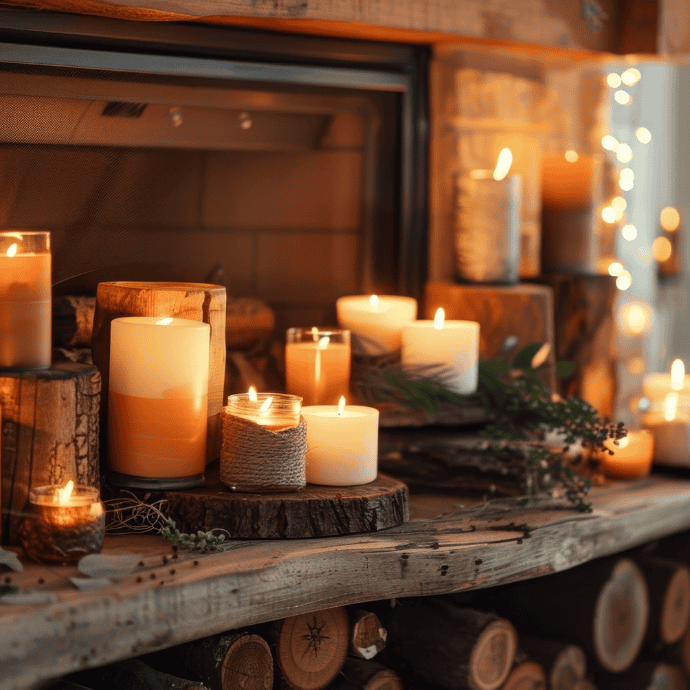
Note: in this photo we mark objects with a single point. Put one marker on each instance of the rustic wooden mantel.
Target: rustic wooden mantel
(450, 545)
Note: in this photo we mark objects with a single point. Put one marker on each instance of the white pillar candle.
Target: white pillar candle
(25, 300)
(342, 444)
(317, 364)
(158, 396)
(452, 346)
(377, 322)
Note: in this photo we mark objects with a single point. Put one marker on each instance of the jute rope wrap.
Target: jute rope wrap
(253, 458)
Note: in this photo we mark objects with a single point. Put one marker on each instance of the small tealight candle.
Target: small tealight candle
(342, 444)
(377, 322)
(452, 346)
(25, 300)
(657, 386)
(63, 523)
(632, 457)
(273, 411)
(317, 364)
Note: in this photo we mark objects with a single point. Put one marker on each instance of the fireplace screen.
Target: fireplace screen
(288, 182)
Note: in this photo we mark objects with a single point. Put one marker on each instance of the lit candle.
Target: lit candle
(657, 386)
(157, 402)
(63, 523)
(450, 346)
(273, 411)
(632, 457)
(376, 321)
(317, 364)
(571, 188)
(670, 427)
(342, 444)
(25, 302)
(488, 221)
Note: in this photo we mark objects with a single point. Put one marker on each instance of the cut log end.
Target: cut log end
(359, 674)
(620, 617)
(492, 655)
(311, 648)
(675, 607)
(248, 664)
(526, 676)
(568, 669)
(368, 635)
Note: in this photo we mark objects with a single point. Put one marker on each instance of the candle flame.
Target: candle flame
(677, 374)
(164, 322)
(341, 405)
(266, 404)
(323, 343)
(505, 160)
(439, 318)
(63, 495)
(252, 394)
(315, 333)
(12, 250)
(374, 301)
(670, 406)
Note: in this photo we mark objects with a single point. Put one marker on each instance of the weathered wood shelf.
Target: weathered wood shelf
(449, 545)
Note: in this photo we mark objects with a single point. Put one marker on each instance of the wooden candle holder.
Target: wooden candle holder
(195, 301)
(49, 433)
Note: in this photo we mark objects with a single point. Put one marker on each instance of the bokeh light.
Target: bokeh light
(622, 97)
(624, 153)
(608, 213)
(631, 76)
(629, 232)
(613, 80)
(643, 135)
(662, 249)
(669, 219)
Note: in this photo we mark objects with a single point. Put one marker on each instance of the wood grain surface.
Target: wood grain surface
(451, 544)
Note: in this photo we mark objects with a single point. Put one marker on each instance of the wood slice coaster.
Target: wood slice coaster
(526, 676)
(316, 511)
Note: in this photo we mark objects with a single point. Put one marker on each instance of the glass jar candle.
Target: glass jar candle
(317, 364)
(273, 411)
(62, 524)
(25, 300)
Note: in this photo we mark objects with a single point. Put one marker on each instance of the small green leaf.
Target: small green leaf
(564, 369)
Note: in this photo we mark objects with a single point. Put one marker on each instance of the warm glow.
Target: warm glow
(627, 173)
(164, 322)
(624, 442)
(624, 280)
(662, 249)
(644, 136)
(505, 160)
(613, 80)
(669, 219)
(615, 268)
(63, 495)
(541, 355)
(608, 214)
(622, 97)
(323, 343)
(439, 318)
(341, 405)
(619, 203)
(609, 143)
(631, 76)
(252, 394)
(636, 318)
(12, 250)
(571, 156)
(315, 333)
(626, 183)
(624, 153)
(677, 374)
(636, 365)
(374, 301)
(266, 404)
(629, 232)
(670, 406)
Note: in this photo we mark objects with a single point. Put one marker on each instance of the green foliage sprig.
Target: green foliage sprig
(522, 419)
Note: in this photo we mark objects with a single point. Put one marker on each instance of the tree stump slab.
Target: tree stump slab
(316, 511)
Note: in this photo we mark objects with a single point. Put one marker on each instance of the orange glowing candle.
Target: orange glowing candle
(632, 457)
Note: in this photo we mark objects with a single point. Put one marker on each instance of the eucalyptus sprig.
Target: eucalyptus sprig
(201, 540)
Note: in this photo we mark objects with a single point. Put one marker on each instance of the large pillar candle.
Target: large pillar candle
(25, 300)
(342, 444)
(452, 347)
(158, 401)
(317, 364)
(377, 322)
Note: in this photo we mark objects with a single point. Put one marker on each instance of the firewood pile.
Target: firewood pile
(615, 623)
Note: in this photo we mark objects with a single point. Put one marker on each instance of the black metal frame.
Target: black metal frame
(96, 43)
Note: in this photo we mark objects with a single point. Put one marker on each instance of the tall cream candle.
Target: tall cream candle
(342, 444)
(317, 364)
(158, 401)
(25, 300)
